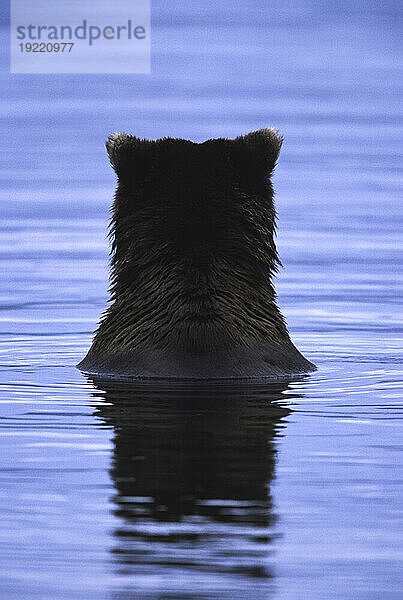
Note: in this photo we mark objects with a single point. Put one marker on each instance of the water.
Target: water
(281, 491)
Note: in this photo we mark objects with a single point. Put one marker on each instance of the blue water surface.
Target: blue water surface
(284, 490)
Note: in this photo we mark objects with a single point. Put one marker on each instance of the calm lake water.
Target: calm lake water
(275, 490)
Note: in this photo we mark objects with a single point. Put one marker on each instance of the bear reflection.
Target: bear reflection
(192, 467)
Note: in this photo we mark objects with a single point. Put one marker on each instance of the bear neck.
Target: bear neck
(192, 304)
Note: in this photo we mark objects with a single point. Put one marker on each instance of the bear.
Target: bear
(193, 258)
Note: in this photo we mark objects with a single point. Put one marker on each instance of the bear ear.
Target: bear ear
(128, 154)
(117, 147)
(257, 152)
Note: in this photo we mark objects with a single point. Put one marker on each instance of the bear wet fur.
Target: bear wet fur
(193, 257)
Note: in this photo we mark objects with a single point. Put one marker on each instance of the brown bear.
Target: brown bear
(193, 257)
